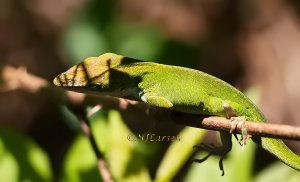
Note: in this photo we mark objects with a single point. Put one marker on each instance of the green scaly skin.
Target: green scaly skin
(171, 87)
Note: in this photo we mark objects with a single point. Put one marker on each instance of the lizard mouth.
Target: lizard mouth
(64, 80)
(74, 77)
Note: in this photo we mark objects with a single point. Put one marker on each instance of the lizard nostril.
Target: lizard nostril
(57, 81)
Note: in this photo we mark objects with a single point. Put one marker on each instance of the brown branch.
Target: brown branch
(17, 77)
(253, 128)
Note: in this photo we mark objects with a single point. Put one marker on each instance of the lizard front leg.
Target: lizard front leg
(156, 101)
(160, 107)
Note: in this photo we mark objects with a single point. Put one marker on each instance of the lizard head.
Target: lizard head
(92, 73)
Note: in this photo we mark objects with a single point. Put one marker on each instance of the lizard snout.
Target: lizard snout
(60, 80)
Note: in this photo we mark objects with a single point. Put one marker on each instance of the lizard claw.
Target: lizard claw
(235, 121)
(245, 136)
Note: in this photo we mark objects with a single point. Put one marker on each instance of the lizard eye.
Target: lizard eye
(94, 87)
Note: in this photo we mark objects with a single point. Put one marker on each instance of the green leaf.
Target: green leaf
(21, 159)
(178, 153)
(238, 166)
(124, 158)
(135, 40)
(80, 162)
(9, 169)
(83, 40)
(278, 172)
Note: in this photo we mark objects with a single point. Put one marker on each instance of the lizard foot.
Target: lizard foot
(235, 121)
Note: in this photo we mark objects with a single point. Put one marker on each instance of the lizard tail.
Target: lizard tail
(279, 150)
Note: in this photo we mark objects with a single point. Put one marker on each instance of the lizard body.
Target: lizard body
(171, 87)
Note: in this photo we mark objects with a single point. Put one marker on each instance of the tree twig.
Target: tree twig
(19, 79)
(87, 131)
(253, 128)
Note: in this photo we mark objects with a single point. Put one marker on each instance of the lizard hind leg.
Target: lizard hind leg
(208, 148)
(213, 150)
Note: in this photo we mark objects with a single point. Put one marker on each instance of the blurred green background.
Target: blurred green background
(253, 45)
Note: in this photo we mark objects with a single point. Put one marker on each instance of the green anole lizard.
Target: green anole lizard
(172, 88)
